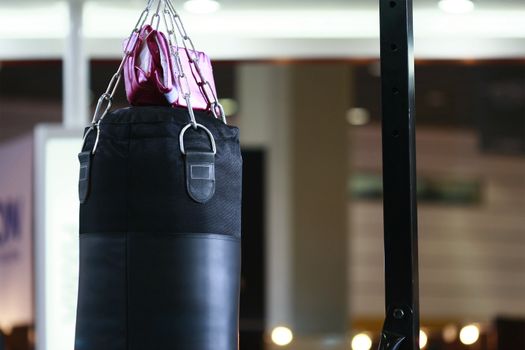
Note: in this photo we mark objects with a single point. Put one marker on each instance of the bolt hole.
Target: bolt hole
(395, 133)
(395, 91)
(398, 314)
(393, 47)
(393, 4)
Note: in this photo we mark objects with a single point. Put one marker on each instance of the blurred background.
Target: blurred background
(302, 81)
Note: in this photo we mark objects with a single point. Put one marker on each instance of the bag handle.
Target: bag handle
(174, 25)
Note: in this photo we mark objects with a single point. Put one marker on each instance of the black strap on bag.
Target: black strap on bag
(200, 168)
(401, 327)
(200, 174)
(84, 177)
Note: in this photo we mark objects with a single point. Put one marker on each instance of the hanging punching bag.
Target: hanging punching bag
(160, 234)
(160, 229)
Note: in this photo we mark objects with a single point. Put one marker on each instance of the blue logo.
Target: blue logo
(9, 221)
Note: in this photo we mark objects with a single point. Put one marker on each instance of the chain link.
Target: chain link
(155, 19)
(174, 25)
(182, 78)
(204, 85)
(107, 96)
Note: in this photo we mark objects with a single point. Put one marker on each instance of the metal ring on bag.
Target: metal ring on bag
(91, 128)
(106, 97)
(96, 127)
(218, 112)
(210, 135)
(97, 139)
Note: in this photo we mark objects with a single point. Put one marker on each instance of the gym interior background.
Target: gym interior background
(289, 72)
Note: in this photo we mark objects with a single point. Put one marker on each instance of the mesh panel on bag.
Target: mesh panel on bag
(138, 175)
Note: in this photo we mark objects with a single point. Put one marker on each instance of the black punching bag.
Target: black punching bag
(160, 224)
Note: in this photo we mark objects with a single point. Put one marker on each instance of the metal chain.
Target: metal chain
(205, 86)
(173, 24)
(182, 78)
(155, 19)
(107, 96)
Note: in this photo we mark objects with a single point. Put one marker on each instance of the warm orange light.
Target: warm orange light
(423, 339)
(450, 333)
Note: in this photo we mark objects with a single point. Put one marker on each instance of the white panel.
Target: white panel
(57, 212)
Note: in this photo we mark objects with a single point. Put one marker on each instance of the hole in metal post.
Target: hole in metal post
(395, 133)
(393, 47)
(395, 91)
(393, 4)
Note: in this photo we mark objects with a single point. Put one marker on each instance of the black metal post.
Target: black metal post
(401, 327)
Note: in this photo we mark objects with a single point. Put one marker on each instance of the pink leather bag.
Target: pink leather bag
(151, 73)
(147, 80)
(198, 97)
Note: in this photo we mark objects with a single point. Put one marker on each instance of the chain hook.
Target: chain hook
(218, 111)
(98, 116)
(193, 121)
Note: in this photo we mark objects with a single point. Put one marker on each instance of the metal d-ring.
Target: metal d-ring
(197, 125)
(218, 112)
(93, 127)
(95, 123)
(97, 126)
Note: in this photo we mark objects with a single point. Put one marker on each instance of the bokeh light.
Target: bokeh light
(282, 336)
(361, 341)
(469, 334)
(423, 339)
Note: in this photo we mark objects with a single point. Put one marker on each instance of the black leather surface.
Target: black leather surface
(102, 303)
(200, 175)
(186, 296)
(141, 291)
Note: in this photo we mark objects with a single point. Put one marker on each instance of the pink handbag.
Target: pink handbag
(162, 71)
(198, 96)
(157, 70)
(142, 74)
(151, 73)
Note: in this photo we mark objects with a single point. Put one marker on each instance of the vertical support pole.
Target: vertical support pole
(75, 71)
(401, 327)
